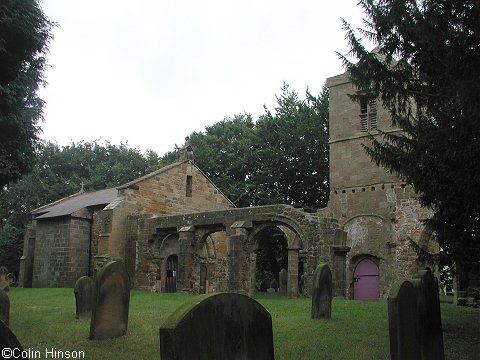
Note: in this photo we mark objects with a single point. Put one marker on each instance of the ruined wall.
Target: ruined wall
(61, 250)
(310, 240)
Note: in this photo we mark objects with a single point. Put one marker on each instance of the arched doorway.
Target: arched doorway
(271, 257)
(366, 281)
(171, 274)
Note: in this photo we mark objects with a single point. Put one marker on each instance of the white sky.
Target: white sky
(150, 72)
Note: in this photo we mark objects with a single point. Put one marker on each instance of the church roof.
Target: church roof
(75, 202)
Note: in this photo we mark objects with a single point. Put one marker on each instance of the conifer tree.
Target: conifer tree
(426, 72)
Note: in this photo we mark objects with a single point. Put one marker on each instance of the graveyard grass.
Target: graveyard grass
(45, 319)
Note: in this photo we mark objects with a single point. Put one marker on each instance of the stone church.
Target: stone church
(176, 231)
(69, 237)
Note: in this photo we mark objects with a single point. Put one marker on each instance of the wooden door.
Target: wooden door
(171, 278)
(366, 281)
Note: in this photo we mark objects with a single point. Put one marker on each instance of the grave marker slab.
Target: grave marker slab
(84, 296)
(218, 326)
(429, 317)
(110, 310)
(283, 280)
(4, 307)
(322, 292)
(402, 322)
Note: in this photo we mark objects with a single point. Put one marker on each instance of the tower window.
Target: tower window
(368, 114)
(189, 183)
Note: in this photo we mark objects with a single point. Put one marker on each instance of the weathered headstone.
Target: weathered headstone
(283, 279)
(4, 307)
(218, 326)
(403, 322)
(5, 278)
(9, 343)
(274, 284)
(84, 296)
(322, 292)
(110, 310)
(429, 318)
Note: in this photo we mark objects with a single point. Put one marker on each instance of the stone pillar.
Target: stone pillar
(339, 269)
(26, 261)
(238, 261)
(252, 272)
(186, 245)
(292, 281)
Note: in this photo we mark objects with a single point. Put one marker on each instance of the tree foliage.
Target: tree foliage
(281, 158)
(224, 153)
(426, 71)
(24, 35)
(292, 150)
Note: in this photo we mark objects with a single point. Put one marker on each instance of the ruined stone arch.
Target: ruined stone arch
(295, 238)
(162, 248)
(293, 233)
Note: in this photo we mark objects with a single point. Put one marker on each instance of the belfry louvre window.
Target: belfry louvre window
(368, 114)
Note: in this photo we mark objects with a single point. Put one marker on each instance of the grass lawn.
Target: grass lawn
(45, 318)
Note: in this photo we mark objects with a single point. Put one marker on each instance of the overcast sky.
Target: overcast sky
(151, 72)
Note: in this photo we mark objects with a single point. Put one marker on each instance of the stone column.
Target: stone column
(186, 245)
(238, 259)
(292, 280)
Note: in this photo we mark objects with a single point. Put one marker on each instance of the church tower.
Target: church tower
(380, 215)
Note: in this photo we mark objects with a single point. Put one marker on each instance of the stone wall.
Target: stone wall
(61, 250)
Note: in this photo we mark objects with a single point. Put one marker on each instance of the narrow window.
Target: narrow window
(188, 192)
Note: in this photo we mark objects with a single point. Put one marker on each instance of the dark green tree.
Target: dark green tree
(426, 72)
(224, 153)
(24, 35)
(291, 153)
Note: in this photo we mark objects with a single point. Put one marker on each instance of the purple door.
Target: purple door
(365, 281)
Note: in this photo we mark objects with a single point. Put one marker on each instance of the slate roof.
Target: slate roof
(75, 202)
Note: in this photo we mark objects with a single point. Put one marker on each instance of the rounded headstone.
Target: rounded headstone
(84, 296)
(218, 326)
(322, 292)
(110, 311)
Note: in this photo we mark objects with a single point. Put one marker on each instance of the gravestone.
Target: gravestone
(283, 279)
(5, 278)
(84, 296)
(218, 326)
(274, 284)
(322, 292)
(110, 309)
(403, 322)
(429, 318)
(4, 307)
(8, 340)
